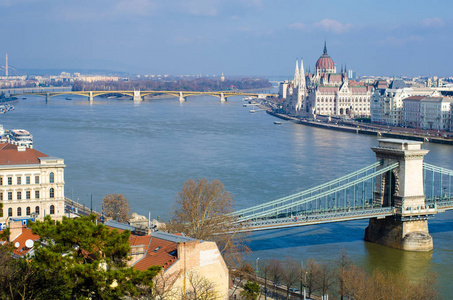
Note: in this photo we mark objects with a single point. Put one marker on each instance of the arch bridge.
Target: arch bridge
(398, 194)
(138, 95)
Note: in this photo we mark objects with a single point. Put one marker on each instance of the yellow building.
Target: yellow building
(31, 184)
(188, 265)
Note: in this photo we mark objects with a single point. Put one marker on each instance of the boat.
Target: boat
(68, 98)
(20, 137)
(24, 98)
(5, 108)
(252, 111)
(277, 122)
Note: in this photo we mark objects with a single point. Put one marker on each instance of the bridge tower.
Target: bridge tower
(401, 188)
(137, 96)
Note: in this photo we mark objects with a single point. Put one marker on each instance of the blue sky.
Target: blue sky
(236, 37)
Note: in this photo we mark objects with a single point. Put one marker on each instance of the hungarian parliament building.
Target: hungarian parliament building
(325, 92)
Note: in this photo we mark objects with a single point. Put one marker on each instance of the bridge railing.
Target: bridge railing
(437, 181)
(317, 218)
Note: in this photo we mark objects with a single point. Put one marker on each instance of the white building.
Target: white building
(427, 112)
(31, 183)
(387, 103)
(435, 113)
(325, 92)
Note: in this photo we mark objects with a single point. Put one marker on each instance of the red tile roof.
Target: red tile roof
(159, 252)
(19, 242)
(9, 155)
(415, 98)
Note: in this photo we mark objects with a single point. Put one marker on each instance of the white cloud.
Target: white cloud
(334, 26)
(200, 7)
(394, 41)
(136, 7)
(433, 22)
(297, 26)
(251, 3)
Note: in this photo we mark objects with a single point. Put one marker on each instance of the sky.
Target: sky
(234, 37)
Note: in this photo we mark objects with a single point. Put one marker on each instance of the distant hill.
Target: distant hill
(58, 72)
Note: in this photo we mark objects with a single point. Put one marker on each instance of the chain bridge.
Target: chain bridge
(136, 95)
(398, 193)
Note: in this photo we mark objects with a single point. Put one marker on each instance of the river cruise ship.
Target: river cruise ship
(21, 137)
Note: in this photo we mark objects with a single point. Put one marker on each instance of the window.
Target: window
(28, 212)
(10, 181)
(1, 196)
(10, 195)
(36, 194)
(37, 210)
(10, 212)
(52, 209)
(52, 193)
(19, 180)
(1, 180)
(27, 195)
(19, 195)
(27, 180)
(51, 177)
(37, 179)
(19, 211)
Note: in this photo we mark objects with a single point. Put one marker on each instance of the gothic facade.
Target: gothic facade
(325, 92)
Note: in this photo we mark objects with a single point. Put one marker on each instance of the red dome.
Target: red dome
(325, 63)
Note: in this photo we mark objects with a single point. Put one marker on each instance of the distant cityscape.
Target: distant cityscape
(415, 102)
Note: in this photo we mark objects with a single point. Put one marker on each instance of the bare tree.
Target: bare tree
(386, 285)
(290, 274)
(162, 288)
(311, 272)
(325, 278)
(344, 261)
(241, 275)
(199, 288)
(203, 211)
(116, 206)
(265, 271)
(275, 270)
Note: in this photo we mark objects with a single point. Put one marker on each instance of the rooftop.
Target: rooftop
(11, 155)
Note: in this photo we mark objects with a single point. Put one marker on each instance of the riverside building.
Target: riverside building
(387, 102)
(430, 112)
(325, 92)
(31, 184)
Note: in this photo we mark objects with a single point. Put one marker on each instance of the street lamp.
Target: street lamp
(256, 267)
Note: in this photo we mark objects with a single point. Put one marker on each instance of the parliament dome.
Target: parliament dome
(325, 62)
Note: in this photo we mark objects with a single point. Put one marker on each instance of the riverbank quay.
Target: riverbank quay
(359, 128)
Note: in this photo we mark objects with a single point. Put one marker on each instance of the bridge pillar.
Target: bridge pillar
(91, 97)
(182, 98)
(47, 96)
(401, 188)
(137, 96)
(223, 98)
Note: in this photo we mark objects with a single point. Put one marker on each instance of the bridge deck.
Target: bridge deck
(317, 218)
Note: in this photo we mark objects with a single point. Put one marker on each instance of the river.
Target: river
(147, 150)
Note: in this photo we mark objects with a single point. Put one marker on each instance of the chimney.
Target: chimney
(15, 228)
(21, 148)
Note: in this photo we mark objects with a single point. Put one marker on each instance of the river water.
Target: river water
(146, 151)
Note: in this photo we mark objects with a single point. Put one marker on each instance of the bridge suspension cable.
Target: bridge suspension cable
(327, 185)
(276, 207)
(437, 182)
